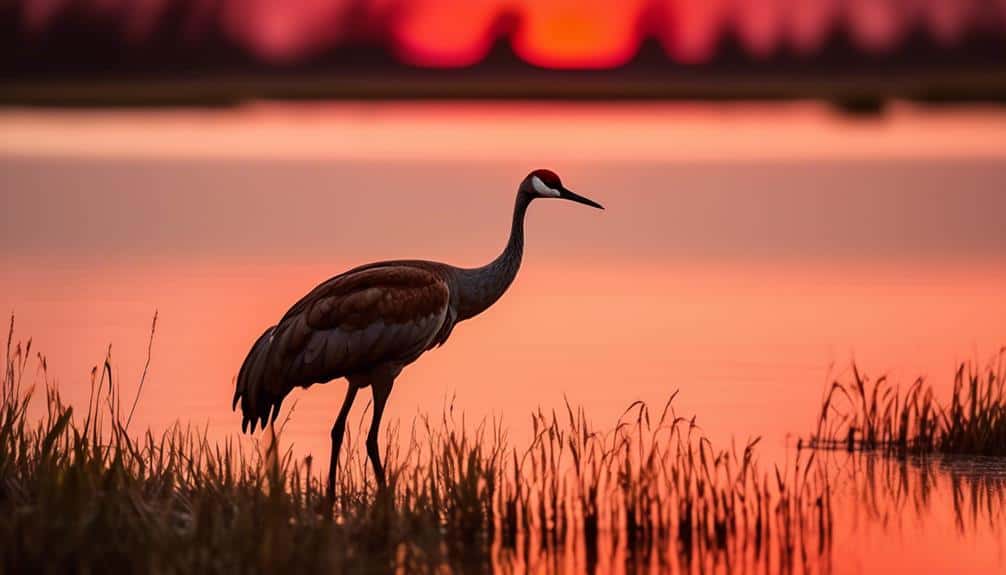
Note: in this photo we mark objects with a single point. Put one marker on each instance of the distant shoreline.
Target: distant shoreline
(854, 93)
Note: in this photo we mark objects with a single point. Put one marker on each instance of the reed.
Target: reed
(81, 491)
(876, 415)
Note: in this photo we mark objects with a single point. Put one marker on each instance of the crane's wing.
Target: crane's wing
(352, 322)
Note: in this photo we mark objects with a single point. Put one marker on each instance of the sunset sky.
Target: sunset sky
(546, 33)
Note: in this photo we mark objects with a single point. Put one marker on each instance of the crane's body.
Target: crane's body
(370, 322)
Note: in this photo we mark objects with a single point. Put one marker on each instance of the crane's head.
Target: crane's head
(546, 184)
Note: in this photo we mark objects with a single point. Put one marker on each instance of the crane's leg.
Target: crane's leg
(338, 431)
(382, 389)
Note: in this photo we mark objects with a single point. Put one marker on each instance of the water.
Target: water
(748, 255)
(935, 515)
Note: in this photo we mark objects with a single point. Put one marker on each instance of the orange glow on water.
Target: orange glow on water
(747, 345)
(736, 339)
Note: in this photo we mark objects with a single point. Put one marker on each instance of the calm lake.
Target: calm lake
(747, 255)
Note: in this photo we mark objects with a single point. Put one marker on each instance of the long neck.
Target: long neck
(479, 288)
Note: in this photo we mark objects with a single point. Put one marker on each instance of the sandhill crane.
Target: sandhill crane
(368, 323)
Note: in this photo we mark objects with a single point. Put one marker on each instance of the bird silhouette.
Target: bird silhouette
(370, 322)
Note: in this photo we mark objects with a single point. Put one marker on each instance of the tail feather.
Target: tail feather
(260, 403)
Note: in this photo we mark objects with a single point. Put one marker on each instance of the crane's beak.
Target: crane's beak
(568, 195)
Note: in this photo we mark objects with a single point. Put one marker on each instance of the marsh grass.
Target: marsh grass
(877, 415)
(81, 491)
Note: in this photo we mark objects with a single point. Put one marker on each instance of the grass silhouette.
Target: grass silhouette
(876, 415)
(82, 491)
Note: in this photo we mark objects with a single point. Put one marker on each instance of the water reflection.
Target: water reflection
(892, 490)
(890, 500)
(650, 493)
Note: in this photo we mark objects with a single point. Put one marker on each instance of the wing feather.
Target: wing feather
(350, 323)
